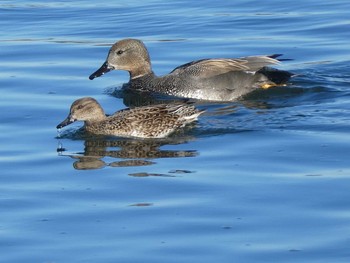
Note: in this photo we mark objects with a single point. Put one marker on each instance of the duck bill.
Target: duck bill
(101, 71)
(66, 122)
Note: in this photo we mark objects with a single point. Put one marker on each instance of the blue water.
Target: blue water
(265, 179)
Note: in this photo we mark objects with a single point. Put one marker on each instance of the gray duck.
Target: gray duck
(221, 79)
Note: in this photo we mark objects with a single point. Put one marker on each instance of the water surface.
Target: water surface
(258, 180)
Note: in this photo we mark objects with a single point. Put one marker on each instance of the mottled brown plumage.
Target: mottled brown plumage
(156, 121)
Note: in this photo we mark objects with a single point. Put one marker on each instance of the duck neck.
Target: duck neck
(97, 116)
(141, 71)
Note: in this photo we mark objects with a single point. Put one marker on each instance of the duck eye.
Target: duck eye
(80, 107)
(119, 52)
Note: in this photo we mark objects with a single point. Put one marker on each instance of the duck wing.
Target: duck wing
(207, 68)
(255, 63)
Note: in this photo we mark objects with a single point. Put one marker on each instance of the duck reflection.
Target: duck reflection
(132, 152)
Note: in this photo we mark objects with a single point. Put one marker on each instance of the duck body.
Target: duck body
(221, 79)
(212, 89)
(156, 121)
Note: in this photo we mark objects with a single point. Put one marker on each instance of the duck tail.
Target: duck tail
(277, 56)
(193, 115)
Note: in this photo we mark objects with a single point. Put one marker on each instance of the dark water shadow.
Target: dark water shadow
(135, 98)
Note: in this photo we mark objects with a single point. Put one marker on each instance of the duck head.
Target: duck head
(84, 109)
(127, 54)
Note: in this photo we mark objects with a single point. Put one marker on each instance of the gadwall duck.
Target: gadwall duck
(207, 79)
(155, 121)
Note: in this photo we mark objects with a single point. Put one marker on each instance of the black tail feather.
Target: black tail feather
(277, 76)
(276, 56)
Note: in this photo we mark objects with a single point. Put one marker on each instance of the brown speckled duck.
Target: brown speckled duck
(156, 121)
(222, 79)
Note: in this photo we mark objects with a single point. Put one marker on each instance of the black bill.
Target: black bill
(102, 70)
(65, 123)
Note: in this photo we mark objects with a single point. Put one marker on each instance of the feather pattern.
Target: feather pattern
(156, 121)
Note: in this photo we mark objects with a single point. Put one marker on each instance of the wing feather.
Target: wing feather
(207, 68)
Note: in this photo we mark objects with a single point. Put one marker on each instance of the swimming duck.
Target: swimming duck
(222, 79)
(155, 121)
